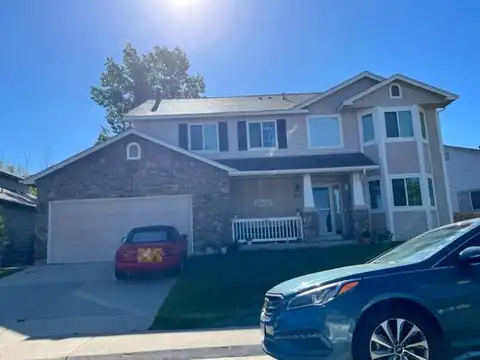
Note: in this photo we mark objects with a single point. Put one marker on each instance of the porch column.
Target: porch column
(357, 190)
(308, 202)
(311, 225)
(360, 209)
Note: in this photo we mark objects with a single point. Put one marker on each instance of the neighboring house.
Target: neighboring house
(463, 168)
(17, 210)
(318, 166)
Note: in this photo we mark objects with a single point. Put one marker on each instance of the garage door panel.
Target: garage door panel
(91, 230)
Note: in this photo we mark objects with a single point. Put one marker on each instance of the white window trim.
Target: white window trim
(203, 138)
(397, 109)
(361, 114)
(407, 207)
(432, 207)
(129, 146)
(261, 148)
(399, 91)
(340, 129)
(382, 194)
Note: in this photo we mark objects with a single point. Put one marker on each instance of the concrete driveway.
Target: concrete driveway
(80, 299)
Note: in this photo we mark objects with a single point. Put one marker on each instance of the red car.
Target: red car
(150, 249)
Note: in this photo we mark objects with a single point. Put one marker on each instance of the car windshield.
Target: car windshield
(148, 236)
(425, 245)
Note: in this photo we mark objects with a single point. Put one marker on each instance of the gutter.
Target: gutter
(303, 171)
(217, 114)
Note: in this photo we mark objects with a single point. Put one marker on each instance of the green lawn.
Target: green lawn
(228, 290)
(9, 271)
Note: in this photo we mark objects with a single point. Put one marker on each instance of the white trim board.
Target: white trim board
(31, 180)
(339, 87)
(398, 77)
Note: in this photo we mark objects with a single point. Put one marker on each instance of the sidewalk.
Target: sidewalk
(166, 345)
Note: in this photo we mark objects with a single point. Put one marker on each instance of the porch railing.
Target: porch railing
(264, 230)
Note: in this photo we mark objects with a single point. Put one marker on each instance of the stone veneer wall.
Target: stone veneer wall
(107, 174)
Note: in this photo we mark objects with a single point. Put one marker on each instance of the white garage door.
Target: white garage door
(91, 230)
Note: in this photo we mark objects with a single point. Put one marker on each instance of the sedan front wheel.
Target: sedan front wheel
(397, 334)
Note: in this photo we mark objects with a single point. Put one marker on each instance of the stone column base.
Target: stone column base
(360, 219)
(311, 225)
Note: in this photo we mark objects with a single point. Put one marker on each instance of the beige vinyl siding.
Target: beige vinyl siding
(379, 221)
(281, 191)
(402, 157)
(409, 224)
(426, 155)
(331, 103)
(372, 152)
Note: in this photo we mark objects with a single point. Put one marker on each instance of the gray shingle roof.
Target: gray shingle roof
(299, 162)
(221, 104)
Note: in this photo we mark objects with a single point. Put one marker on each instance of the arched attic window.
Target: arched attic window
(395, 91)
(134, 152)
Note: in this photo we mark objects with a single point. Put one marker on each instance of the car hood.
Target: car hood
(306, 282)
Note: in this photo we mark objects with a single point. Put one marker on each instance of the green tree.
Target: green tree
(126, 85)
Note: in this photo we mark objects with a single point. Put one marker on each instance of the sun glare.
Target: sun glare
(184, 4)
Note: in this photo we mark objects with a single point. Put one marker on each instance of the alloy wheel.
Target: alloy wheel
(398, 339)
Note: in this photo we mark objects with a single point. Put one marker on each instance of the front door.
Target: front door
(322, 197)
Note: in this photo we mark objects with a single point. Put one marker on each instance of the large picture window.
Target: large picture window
(324, 132)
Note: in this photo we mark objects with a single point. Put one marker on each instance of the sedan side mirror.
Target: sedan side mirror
(184, 237)
(123, 239)
(470, 255)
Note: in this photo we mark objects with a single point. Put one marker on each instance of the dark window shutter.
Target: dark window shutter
(223, 136)
(183, 136)
(242, 135)
(282, 133)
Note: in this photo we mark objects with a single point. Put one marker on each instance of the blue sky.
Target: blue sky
(53, 50)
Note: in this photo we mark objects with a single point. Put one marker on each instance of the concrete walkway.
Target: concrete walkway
(173, 345)
(59, 301)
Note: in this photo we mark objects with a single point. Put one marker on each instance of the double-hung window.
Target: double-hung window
(203, 137)
(399, 124)
(324, 132)
(407, 191)
(262, 134)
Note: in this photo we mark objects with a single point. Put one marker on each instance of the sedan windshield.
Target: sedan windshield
(425, 245)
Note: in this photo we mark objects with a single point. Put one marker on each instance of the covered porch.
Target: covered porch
(316, 205)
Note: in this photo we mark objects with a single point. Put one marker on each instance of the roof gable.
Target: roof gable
(449, 97)
(342, 85)
(31, 179)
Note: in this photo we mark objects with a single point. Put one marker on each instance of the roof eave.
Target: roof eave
(31, 179)
(217, 114)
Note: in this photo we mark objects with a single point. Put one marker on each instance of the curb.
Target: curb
(178, 354)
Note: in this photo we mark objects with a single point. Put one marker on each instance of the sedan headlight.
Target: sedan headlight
(320, 295)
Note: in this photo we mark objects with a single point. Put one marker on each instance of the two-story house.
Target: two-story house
(317, 167)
